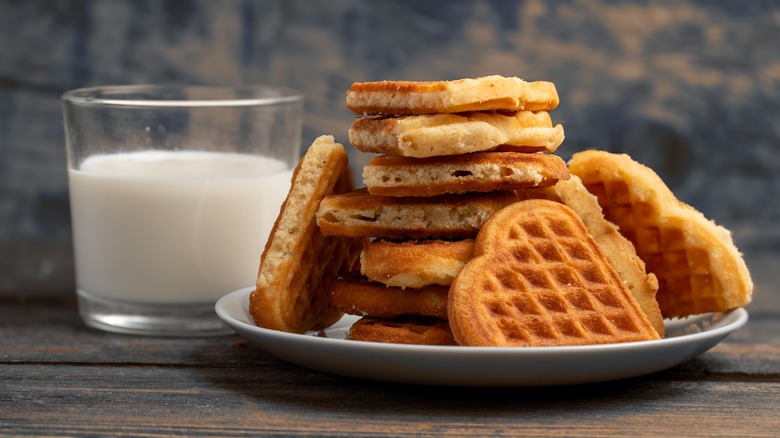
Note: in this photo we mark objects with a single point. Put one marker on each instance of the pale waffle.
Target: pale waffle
(356, 295)
(488, 93)
(453, 134)
(618, 250)
(477, 172)
(417, 331)
(415, 264)
(360, 214)
(539, 279)
(699, 268)
(298, 263)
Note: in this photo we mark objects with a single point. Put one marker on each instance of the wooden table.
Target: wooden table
(58, 377)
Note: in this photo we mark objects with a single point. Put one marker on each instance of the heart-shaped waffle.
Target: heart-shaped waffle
(618, 250)
(539, 279)
(698, 267)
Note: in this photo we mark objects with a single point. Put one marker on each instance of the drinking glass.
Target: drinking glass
(173, 192)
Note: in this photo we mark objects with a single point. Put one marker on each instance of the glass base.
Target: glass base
(153, 320)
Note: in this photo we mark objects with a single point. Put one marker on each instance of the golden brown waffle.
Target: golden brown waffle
(417, 331)
(488, 93)
(620, 253)
(356, 295)
(453, 134)
(698, 267)
(298, 263)
(360, 214)
(477, 172)
(415, 264)
(539, 279)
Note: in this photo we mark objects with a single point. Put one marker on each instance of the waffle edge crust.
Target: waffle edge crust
(487, 93)
(455, 134)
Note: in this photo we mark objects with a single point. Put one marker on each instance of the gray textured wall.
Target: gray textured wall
(690, 88)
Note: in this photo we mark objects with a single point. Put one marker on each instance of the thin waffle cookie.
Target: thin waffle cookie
(415, 264)
(356, 295)
(539, 279)
(698, 267)
(478, 172)
(298, 263)
(416, 331)
(620, 253)
(488, 93)
(452, 134)
(360, 214)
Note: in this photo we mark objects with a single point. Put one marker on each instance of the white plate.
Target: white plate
(330, 352)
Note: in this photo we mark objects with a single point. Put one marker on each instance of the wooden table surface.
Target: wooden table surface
(58, 377)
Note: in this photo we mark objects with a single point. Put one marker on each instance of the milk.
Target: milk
(178, 227)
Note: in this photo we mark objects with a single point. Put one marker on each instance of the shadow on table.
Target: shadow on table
(297, 388)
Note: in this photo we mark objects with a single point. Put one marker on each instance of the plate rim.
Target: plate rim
(739, 318)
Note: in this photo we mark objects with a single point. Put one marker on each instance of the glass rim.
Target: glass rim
(115, 95)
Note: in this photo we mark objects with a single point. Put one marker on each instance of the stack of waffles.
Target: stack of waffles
(471, 231)
(451, 154)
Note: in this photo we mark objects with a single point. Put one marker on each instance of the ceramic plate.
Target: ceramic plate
(328, 351)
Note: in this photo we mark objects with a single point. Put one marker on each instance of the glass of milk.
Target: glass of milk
(173, 191)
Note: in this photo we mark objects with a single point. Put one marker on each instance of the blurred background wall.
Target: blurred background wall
(691, 89)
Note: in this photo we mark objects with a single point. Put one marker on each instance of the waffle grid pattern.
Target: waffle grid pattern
(684, 283)
(563, 293)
